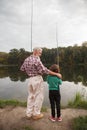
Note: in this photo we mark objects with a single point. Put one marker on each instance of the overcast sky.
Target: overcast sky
(66, 17)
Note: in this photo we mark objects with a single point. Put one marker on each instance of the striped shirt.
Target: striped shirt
(33, 66)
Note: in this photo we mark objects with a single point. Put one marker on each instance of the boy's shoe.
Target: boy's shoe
(39, 116)
(59, 119)
(52, 119)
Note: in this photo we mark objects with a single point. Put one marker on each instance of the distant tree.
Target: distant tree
(13, 56)
(3, 57)
(84, 55)
(16, 56)
(49, 56)
(84, 44)
(22, 55)
(75, 45)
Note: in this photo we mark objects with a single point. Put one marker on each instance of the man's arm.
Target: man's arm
(42, 69)
(22, 68)
(56, 74)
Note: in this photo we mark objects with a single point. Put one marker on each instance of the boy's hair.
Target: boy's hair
(55, 68)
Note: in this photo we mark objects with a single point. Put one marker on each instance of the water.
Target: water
(14, 85)
(19, 90)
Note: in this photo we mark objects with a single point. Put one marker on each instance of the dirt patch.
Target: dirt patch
(13, 118)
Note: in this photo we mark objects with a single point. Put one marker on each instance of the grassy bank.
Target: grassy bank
(4, 103)
(80, 123)
(78, 102)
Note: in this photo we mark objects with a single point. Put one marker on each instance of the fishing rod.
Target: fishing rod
(57, 44)
(31, 22)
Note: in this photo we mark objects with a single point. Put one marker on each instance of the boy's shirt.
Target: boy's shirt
(53, 82)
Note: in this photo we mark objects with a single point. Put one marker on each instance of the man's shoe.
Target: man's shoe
(27, 117)
(39, 116)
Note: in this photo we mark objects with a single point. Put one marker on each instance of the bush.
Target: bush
(80, 123)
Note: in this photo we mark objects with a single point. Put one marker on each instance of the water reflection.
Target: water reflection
(13, 84)
(76, 74)
(13, 73)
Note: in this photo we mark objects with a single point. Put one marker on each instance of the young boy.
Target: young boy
(54, 93)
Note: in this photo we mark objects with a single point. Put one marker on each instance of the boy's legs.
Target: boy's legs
(57, 100)
(52, 102)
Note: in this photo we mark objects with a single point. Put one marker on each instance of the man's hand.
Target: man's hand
(59, 75)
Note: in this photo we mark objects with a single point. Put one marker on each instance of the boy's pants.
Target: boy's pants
(36, 96)
(54, 96)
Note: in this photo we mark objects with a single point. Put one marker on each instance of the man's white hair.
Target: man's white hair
(37, 48)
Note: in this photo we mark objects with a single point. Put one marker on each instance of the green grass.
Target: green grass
(44, 109)
(80, 123)
(4, 103)
(78, 102)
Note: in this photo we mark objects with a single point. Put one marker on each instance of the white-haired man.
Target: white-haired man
(35, 69)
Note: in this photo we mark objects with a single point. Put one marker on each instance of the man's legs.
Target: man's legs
(38, 99)
(36, 95)
(30, 102)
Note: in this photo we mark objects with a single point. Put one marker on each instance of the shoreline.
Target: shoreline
(13, 118)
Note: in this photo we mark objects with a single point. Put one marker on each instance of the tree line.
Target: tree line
(65, 56)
